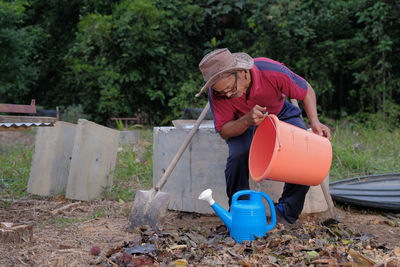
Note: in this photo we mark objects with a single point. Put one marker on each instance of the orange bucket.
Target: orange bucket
(286, 153)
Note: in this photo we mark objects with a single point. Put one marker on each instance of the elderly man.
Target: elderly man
(241, 91)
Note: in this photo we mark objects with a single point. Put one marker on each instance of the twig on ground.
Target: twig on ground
(59, 210)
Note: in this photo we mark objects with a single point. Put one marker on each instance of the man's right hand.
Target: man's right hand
(256, 115)
(239, 126)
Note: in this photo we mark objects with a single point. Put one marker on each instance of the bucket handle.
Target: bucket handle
(272, 210)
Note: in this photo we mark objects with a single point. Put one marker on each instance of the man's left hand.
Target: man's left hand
(322, 130)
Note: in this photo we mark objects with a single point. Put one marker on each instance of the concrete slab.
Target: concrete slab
(51, 159)
(93, 160)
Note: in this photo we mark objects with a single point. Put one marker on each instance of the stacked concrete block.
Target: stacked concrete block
(202, 166)
(52, 158)
(93, 160)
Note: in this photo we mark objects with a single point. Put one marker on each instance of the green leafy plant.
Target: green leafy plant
(72, 113)
(120, 125)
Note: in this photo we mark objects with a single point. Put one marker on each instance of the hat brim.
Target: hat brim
(242, 62)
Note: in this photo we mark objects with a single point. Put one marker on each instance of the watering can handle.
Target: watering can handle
(272, 210)
(240, 193)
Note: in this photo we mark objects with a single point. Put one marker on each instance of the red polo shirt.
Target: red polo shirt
(271, 81)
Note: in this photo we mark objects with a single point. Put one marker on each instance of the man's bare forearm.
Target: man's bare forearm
(310, 105)
(234, 128)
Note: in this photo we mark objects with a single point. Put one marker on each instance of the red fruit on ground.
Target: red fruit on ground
(127, 258)
(95, 250)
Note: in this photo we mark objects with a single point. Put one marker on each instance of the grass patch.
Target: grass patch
(134, 169)
(359, 148)
(61, 221)
(15, 163)
(98, 212)
(363, 149)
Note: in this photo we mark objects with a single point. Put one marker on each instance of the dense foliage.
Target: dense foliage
(120, 58)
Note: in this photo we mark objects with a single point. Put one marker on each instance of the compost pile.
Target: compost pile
(329, 243)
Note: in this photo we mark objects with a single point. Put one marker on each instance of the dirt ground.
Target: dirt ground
(65, 238)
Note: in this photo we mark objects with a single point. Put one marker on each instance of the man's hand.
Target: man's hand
(239, 126)
(256, 115)
(321, 130)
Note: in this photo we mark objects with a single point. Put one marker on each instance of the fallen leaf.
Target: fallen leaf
(181, 262)
(331, 262)
(245, 263)
(388, 222)
(396, 251)
(360, 260)
(346, 242)
(178, 247)
(392, 263)
(313, 255)
(141, 249)
(143, 260)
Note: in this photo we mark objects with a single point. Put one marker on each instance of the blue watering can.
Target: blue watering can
(247, 218)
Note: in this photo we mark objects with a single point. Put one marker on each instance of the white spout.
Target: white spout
(206, 195)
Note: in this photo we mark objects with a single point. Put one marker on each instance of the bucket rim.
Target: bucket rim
(273, 120)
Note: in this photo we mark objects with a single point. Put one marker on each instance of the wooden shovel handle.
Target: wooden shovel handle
(182, 149)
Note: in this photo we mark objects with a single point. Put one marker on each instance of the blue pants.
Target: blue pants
(237, 169)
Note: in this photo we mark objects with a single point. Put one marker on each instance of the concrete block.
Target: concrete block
(93, 160)
(129, 137)
(202, 166)
(51, 159)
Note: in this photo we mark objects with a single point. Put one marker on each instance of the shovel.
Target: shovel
(150, 206)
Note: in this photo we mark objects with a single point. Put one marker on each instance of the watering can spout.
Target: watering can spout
(222, 213)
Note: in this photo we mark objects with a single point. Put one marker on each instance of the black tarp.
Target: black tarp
(375, 191)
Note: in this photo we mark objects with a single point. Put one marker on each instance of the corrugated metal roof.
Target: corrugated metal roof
(24, 124)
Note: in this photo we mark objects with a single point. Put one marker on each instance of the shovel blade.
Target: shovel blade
(149, 208)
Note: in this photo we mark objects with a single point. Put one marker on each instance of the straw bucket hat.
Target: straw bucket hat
(219, 62)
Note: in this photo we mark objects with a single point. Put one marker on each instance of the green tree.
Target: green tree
(135, 60)
(18, 72)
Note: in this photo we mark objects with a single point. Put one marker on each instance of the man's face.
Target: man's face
(228, 86)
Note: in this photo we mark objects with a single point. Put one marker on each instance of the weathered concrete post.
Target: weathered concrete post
(200, 167)
(93, 160)
(51, 160)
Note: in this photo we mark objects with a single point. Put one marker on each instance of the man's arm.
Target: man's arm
(239, 126)
(310, 106)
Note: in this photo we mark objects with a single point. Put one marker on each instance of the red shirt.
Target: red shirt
(271, 82)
